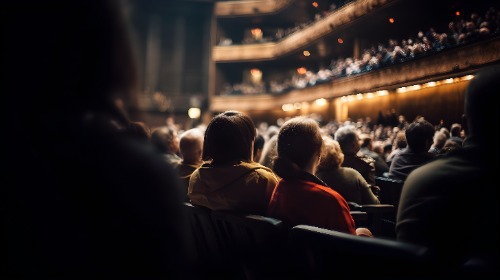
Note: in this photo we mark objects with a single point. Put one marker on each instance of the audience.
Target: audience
(191, 150)
(455, 132)
(347, 181)
(258, 146)
(230, 179)
(166, 141)
(80, 199)
(348, 139)
(366, 149)
(398, 145)
(300, 197)
(269, 152)
(138, 129)
(451, 204)
(419, 137)
(438, 142)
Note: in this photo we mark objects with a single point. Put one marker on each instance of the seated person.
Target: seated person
(300, 197)
(190, 148)
(348, 139)
(367, 149)
(258, 147)
(451, 204)
(345, 180)
(230, 179)
(165, 140)
(419, 138)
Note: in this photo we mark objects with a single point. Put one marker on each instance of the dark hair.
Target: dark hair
(481, 111)
(419, 135)
(162, 137)
(299, 140)
(259, 143)
(455, 129)
(138, 130)
(229, 137)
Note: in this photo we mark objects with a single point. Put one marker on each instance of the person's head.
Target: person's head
(449, 145)
(191, 146)
(138, 130)
(439, 139)
(348, 139)
(419, 135)
(446, 131)
(455, 129)
(165, 139)
(332, 156)
(366, 142)
(269, 152)
(77, 56)
(229, 137)
(258, 146)
(400, 140)
(300, 143)
(387, 148)
(480, 107)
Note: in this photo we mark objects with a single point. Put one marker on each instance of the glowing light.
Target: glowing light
(320, 102)
(340, 40)
(431, 84)
(194, 113)
(301, 70)
(402, 89)
(306, 53)
(391, 20)
(369, 95)
(359, 96)
(255, 72)
(343, 99)
(457, 13)
(315, 4)
(287, 107)
(449, 81)
(382, 92)
(468, 77)
(297, 105)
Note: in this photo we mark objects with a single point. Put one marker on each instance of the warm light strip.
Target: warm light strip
(360, 96)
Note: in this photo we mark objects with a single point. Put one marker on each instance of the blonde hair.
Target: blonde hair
(332, 155)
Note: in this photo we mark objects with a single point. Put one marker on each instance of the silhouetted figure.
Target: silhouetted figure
(451, 204)
(80, 200)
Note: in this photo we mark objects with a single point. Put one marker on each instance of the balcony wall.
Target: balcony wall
(299, 39)
(249, 7)
(451, 63)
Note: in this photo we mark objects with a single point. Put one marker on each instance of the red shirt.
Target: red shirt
(303, 202)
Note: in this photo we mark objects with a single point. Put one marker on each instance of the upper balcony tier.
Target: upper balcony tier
(304, 37)
(249, 7)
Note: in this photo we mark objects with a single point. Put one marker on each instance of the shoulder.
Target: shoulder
(260, 172)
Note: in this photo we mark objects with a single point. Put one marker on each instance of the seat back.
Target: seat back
(381, 218)
(360, 218)
(329, 254)
(257, 243)
(206, 247)
(390, 190)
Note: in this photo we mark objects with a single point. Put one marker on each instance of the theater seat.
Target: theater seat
(206, 250)
(329, 254)
(257, 243)
(381, 218)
